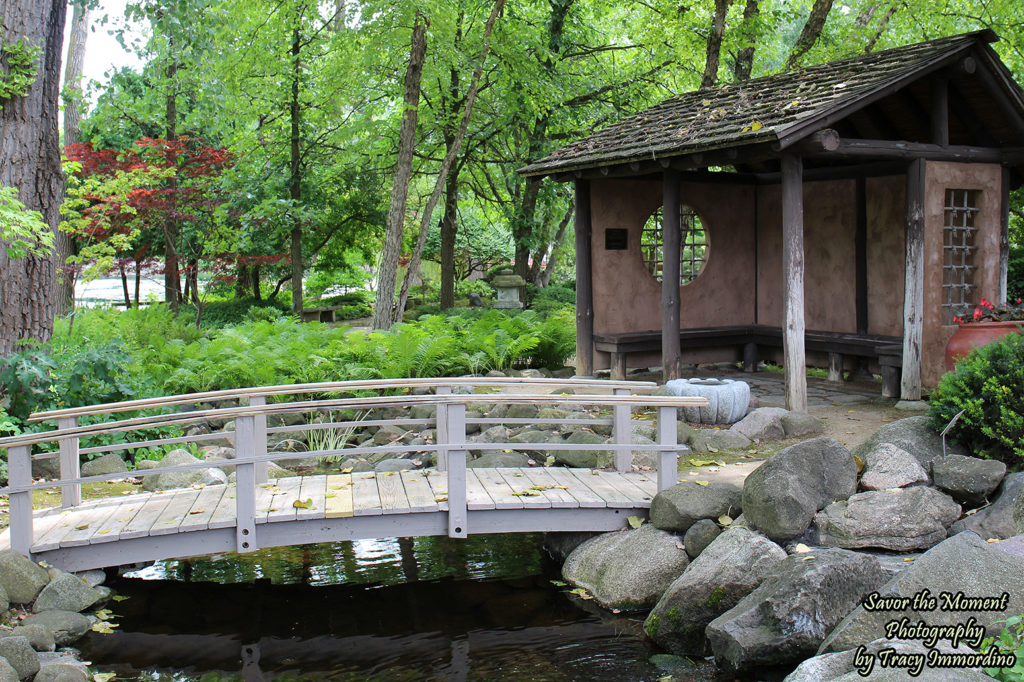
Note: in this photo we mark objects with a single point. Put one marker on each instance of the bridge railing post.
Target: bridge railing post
(622, 433)
(441, 427)
(457, 516)
(70, 465)
(19, 471)
(668, 455)
(245, 485)
(260, 436)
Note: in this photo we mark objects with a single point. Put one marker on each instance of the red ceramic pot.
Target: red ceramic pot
(976, 334)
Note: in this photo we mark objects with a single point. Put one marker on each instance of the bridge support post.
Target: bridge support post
(245, 486)
(70, 465)
(668, 456)
(19, 469)
(441, 424)
(622, 434)
(260, 435)
(457, 516)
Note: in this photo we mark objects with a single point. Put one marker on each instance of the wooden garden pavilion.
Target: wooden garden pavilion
(835, 215)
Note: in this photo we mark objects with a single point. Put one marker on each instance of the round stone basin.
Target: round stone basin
(728, 400)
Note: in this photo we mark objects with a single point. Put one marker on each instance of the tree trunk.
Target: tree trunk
(124, 285)
(256, 292)
(449, 231)
(172, 279)
(811, 31)
(882, 25)
(714, 47)
(748, 33)
(295, 185)
(63, 242)
(138, 280)
(30, 161)
(403, 170)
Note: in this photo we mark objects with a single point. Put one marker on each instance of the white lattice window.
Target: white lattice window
(694, 245)
(959, 248)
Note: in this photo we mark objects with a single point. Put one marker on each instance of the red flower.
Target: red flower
(977, 313)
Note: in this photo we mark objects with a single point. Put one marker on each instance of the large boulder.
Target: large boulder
(66, 626)
(725, 572)
(20, 654)
(1018, 513)
(728, 400)
(995, 520)
(490, 460)
(890, 466)
(181, 479)
(66, 592)
(764, 423)
(110, 463)
(902, 519)
(781, 496)
(38, 636)
(968, 479)
(679, 507)
(7, 671)
(710, 440)
(841, 666)
(627, 569)
(592, 459)
(21, 578)
(60, 672)
(787, 616)
(800, 424)
(914, 435)
(699, 536)
(963, 564)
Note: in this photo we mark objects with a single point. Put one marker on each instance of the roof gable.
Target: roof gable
(780, 109)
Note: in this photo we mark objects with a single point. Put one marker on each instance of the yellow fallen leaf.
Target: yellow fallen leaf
(303, 504)
(82, 526)
(103, 677)
(909, 559)
(756, 125)
(992, 540)
(635, 521)
(347, 470)
(197, 511)
(103, 532)
(801, 549)
(808, 557)
(725, 519)
(699, 482)
(330, 495)
(441, 498)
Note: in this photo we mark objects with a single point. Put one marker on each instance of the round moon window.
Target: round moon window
(693, 241)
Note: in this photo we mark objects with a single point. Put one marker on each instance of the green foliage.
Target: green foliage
(1015, 273)
(20, 58)
(25, 231)
(988, 384)
(1009, 641)
(225, 313)
(25, 377)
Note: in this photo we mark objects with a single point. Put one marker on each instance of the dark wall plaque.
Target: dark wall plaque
(615, 239)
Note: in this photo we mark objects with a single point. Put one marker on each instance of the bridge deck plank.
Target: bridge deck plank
(417, 490)
(87, 522)
(202, 510)
(587, 498)
(592, 479)
(171, 517)
(499, 491)
(282, 507)
(147, 515)
(626, 486)
(365, 495)
(393, 499)
(338, 503)
(559, 497)
(110, 530)
(438, 482)
(523, 488)
(224, 514)
(476, 494)
(44, 520)
(51, 538)
(314, 489)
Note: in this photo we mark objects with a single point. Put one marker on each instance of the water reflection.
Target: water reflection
(394, 609)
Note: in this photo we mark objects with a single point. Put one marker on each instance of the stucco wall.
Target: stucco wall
(887, 261)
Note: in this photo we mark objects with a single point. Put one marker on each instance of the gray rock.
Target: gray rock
(968, 479)
(356, 465)
(530, 435)
(110, 463)
(706, 439)
(396, 464)
(963, 563)
(495, 434)
(213, 476)
(38, 636)
(798, 424)
(840, 665)
(699, 536)
(146, 464)
(890, 466)
(554, 415)
(627, 569)
(61, 672)
(491, 460)
(647, 430)
(764, 423)
(21, 578)
(174, 479)
(684, 433)
(46, 468)
(20, 654)
(788, 615)
(725, 572)
(1018, 513)
(903, 519)
(66, 626)
(66, 592)
(422, 412)
(914, 435)
(388, 434)
(561, 545)
(594, 459)
(5, 601)
(679, 507)
(781, 496)
(521, 412)
(7, 671)
(287, 445)
(644, 458)
(995, 520)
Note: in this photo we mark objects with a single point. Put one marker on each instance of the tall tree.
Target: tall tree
(714, 45)
(810, 32)
(30, 162)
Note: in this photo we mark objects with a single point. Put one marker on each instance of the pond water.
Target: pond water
(398, 609)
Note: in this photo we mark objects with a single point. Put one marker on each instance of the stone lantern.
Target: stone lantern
(507, 284)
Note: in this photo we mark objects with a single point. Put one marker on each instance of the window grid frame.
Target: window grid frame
(960, 211)
(693, 251)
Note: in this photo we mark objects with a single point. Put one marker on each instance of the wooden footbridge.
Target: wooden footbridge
(255, 512)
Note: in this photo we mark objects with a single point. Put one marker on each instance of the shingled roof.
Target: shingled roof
(770, 109)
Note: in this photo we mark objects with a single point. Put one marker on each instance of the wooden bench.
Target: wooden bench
(888, 350)
(320, 314)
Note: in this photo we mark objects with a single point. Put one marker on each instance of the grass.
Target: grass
(50, 497)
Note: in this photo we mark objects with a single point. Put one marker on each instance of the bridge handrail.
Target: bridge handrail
(331, 387)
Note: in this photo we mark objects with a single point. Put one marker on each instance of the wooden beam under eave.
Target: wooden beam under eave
(940, 111)
(913, 293)
(671, 356)
(584, 283)
(1004, 234)
(794, 326)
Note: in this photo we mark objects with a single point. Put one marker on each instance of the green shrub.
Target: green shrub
(988, 384)
(259, 313)
(1015, 273)
(1009, 641)
(353, 311)
(217, 314)
(555, 293)
(464, 288)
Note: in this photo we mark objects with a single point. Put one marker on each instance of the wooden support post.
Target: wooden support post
(441, 426)
(861, 256)
(622, 433)
(668, 456)
(245, 486)
(618, 366)
(70, 465)
(750, 357)
(890, 381)
(793, 328)
(671, 360)
(260, 439)
(584, 283)
(940, 111)
(457, 516)
(835, 367)
(913, 297)
(1004, 235)
(19, 472)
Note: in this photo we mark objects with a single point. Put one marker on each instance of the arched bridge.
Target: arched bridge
(255, 512)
